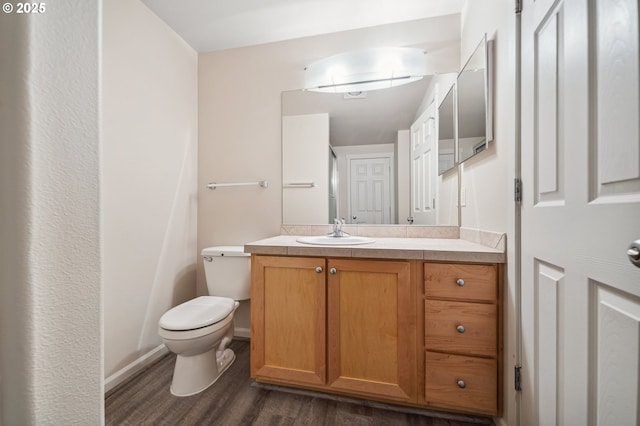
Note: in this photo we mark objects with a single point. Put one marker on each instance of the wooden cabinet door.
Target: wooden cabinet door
(288, 309)
(371, 328)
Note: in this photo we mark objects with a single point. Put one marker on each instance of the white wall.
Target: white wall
(149, 178)
(50, 250)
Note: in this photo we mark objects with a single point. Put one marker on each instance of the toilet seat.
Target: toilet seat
(186, 335)
(197, 313)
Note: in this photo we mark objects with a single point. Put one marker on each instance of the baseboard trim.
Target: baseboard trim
(130, 370)
(242, 332)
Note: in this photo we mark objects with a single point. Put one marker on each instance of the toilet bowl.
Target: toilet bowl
(199, 330)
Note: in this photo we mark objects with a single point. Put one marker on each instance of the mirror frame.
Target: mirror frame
(487, 46)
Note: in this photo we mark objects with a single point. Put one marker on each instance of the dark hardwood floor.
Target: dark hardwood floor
(235, 399)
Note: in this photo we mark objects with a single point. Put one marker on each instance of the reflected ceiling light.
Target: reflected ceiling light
(365, 70)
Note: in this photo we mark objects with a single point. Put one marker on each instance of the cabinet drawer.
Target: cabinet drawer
(461, 383)
(460, 281)
(461, 327)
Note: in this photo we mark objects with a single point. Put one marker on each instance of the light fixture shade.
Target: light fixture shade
(365, 70)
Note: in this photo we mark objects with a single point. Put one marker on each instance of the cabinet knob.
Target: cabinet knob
(319, 269)
(460, 282)
(333, 271)
(462, 384)
(460, 328)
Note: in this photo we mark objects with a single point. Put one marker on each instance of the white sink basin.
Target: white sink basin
(326, 240)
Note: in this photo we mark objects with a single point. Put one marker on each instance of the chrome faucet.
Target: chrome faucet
(337, 228)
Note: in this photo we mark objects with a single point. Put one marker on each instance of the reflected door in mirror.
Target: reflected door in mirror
(423, 164)
(370, 190)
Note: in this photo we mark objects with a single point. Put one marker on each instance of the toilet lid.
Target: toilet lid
(197, 313)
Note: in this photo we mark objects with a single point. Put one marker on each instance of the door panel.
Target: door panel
(617, 325)
(581, 203)
(549, 284)
(616, 117)
(547, 143)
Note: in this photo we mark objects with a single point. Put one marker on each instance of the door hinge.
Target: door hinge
(517, 190)
(519, 6)
(518, 378)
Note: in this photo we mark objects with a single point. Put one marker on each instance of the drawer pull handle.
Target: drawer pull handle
(319, 269)
(460, 282)
(333, 271)
(462, 384)
(460, 328)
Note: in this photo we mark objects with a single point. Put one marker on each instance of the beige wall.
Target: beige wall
(239, 112)
(149, 178)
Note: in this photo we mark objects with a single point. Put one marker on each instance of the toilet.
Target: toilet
(199, 330)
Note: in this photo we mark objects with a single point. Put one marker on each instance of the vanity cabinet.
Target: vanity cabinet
(463, 337)
(340, 325)
(413, 332)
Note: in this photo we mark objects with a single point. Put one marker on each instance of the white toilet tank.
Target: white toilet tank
(228, 271)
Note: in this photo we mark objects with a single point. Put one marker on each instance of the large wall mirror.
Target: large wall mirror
(366, 178)
(475, 103)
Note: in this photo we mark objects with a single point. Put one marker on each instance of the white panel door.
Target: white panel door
(370, 190)
(580, 211)
(424, 166)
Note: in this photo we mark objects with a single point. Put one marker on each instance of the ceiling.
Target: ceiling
(216, 24)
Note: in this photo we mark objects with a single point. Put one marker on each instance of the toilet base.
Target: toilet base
(193, 374)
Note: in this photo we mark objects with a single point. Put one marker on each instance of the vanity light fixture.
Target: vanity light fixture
(365, 70)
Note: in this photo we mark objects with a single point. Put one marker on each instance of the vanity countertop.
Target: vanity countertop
(437, 249)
